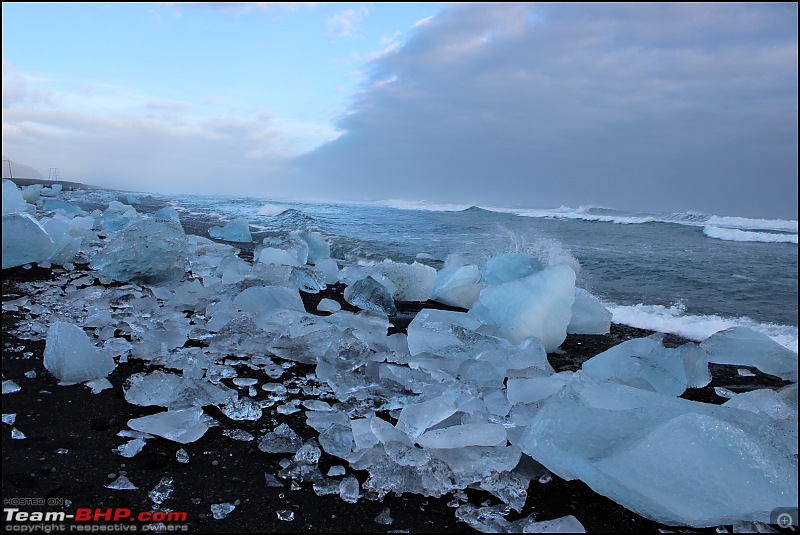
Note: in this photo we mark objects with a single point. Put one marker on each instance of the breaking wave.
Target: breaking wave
(673, 319)
(732, 234)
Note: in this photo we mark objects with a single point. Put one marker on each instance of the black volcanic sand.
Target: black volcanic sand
(222, 470)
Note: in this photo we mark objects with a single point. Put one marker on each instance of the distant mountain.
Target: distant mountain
(19, 170)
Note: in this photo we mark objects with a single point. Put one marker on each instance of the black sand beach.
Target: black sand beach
(70, 433)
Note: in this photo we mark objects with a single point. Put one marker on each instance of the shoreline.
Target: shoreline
(222, 470)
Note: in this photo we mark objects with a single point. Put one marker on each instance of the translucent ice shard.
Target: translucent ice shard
(147, 252)
(369, 294)
(183, 426)
(282, 439)
(510, 267)
(458, 286)
(162, 491)
(13, 200)
(745, 347)
(71, 357)
(539, 305)
(460, 436)
(672, 460)
(122, 483)
(221, 510)
(589, 316)
(237, 230)
(24, 240)
(350, 489)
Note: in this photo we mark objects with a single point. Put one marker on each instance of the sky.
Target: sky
(663, 107)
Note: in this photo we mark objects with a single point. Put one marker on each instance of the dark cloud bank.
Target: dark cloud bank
(668, 107)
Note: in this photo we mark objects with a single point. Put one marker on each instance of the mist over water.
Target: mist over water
(660, 271)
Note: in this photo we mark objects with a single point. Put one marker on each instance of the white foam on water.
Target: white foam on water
(787, 225)
(271, 210)
(673, 319)
(401, 204)
(732, 234)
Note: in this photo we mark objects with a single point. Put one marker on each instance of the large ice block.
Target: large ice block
(539, 305)
(510, 267)
(146, 252)
(458, 286)
(589, 316)
(672, 460)
(24, 240)
(745, 347)
(237, 230)
(71, 357)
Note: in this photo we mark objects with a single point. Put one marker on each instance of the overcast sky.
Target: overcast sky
(668, 107)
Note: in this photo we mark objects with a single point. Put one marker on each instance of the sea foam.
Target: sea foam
(732, 234)
(697, 327)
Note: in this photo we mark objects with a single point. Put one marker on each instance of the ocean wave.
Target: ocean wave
(401, 204)
(732, 234)
(271, 210)
(786, 225)
(673, 319)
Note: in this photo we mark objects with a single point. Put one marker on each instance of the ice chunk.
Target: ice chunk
(329, 270)
(237, 230)
(539, 305)
(773, 404)
(337, 440)
(510, 267)
(98, 385)
(65, 245)
(415, 419)
(369, 294)
(242, 409)
(318, 248)
(745, 347)
(490, 519)
(9, 418)
(168, 213)
(565, 524)
(435, 331)
(122, 483)
(533, 389)
(286, 515)
(130, 448)
(10, 387)
(589, 316)
(458, 286)
(258, 299)
(183, 425)
(350, 489)
(385, 517)
(16, 434)
(24, 240)
(460, 436)
(672, 460)
(412, 282)
(328, 305)
(32, 193)
(221, 510)
(13, 201)
(641, 362)
(182, 456)
(146, 252)
(282, 439)
(273, 255)
(71, 357)
(162, 491)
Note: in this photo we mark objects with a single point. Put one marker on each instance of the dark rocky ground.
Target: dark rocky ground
(55, 418)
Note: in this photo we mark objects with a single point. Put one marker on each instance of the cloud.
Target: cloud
(669, 107)
(345, 23)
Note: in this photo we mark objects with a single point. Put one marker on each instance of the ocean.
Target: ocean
(690, 274)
